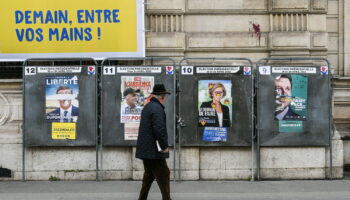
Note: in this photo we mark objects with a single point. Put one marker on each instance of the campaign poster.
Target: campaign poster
(72, 29)
(215, 134)
(131, 131)
(64, 131)
(291, 101)
(136, 91)
(62, 103)
(214, 108)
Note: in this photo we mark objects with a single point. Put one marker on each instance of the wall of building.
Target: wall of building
(206, 28)
(224, 28)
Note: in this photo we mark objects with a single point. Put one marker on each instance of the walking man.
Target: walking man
(152, 144)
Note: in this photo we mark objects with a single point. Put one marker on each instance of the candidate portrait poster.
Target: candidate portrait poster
(136, 91)
(291, 97)
(291, 93)
(62, 103)
(214, 108)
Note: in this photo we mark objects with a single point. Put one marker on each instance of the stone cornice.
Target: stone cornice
(227, 12)
(342, 82)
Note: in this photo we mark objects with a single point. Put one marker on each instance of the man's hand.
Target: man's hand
(165, 150)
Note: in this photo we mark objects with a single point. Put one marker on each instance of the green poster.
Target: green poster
(299, 93)
(290, 126)
(291, 97)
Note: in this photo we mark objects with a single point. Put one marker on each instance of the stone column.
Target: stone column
(346, 37)
(10, 128)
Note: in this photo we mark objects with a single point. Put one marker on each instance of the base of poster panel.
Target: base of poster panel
(123, 71)
(211, 136)
(29, 70)
(324, 71)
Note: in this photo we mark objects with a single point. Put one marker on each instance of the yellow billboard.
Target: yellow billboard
(71, 28)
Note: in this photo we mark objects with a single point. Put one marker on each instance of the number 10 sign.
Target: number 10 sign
(187, 70)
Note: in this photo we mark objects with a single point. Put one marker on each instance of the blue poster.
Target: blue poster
(62, 98)
(215, 134)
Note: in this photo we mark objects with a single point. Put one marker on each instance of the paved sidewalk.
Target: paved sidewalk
(187, 190)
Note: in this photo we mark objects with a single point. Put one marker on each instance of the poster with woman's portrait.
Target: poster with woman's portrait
(214, 103)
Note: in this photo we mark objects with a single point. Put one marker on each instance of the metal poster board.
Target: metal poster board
(60, 105)
(215, 105)
(125, 91)
(293, 105)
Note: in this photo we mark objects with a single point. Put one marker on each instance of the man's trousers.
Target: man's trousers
(155, 169)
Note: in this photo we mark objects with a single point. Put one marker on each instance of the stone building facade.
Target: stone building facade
(205, 28)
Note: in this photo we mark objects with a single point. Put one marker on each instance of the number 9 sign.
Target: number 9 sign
(265, 70)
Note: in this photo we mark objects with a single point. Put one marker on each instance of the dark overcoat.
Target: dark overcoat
(152, 127)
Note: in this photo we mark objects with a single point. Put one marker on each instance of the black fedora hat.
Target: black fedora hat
(159, 89)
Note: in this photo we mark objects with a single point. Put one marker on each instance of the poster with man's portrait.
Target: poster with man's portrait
(291, 97)
(62, 103)
(214, 108)
(136, 92)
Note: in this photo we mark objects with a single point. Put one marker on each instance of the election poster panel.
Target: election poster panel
(136, 93)
(214, 108)
(291, 102)
(62, 104)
